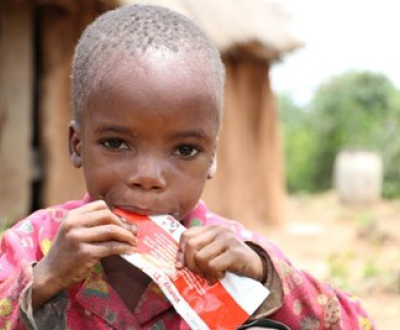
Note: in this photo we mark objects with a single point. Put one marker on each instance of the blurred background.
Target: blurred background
(310, 145)
(339, 114)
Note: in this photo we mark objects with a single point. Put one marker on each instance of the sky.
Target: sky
(339, 35)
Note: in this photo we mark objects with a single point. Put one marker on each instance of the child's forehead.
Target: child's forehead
(158, 80)
(154, 102)
(160, 69)
(164, 60)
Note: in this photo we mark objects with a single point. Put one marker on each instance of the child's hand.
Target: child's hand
(86, 235)
(213, 250)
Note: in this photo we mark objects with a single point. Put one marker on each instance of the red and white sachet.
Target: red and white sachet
(221, 306)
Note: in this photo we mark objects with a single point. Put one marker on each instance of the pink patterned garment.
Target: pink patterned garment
(297, 299)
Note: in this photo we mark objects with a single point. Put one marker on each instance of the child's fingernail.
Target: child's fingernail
(179, 260)
(133, 228)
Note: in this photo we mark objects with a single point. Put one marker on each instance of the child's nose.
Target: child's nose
(148, 175)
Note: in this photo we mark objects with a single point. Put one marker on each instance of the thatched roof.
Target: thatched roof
(257, 27)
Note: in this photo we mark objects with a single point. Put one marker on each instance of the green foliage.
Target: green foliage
(299, 141)
(358, 110)
(352, 111)
(371, 270)
(339, 270)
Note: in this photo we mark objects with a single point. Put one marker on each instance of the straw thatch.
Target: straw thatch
(260, 27)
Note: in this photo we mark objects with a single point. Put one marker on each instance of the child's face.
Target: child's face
(147, 139)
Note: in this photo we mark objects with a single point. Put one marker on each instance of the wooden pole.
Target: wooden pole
(16, 107)
(57, 36)
(61, 24)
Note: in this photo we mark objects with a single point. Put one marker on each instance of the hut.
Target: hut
(36, 46)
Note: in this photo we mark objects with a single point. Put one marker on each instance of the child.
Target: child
(147, 91)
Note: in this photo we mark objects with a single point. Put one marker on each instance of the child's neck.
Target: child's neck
(128, 281)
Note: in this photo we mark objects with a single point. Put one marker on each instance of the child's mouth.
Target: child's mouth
(139, 210)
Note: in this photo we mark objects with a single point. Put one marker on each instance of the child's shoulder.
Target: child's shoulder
(201, 215)
(243, 232)
(209, 218)
(50, 215)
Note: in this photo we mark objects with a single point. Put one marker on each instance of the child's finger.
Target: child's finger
(220, 264)
(180, 259)
(192, 232)
(240, 260)
(108, 232)
(204, 259)
(109, 248)
(188, 235)
(194, 239)
(132, 228)
(93, 219)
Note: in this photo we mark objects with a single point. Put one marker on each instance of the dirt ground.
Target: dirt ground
(355, 248)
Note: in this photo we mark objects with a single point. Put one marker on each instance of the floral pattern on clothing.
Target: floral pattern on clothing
(5, 307)
(332, 314)
(309, 323)
(365, 324)
(305, 304)
(96, 284)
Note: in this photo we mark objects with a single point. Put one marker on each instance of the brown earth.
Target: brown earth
(356, 248)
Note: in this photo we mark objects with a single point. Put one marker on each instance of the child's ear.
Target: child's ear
(213, 167)
(75, 144)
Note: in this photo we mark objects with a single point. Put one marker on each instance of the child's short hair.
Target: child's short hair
(131, 30)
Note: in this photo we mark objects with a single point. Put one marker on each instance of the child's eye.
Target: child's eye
(186, 151)
(115, 144)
